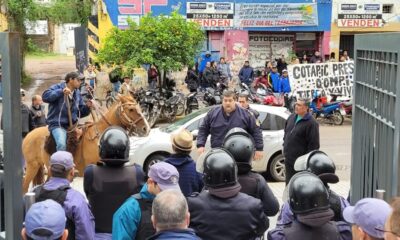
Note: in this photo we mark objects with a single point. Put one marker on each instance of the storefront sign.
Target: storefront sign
(267, 47)
(275, 14)
(360, 15)
(211, 15)
(36, 27)
(327, 78)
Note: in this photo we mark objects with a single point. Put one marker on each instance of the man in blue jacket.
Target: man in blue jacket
(221, 119)
(189, 179)
(246, 74)
(274, 79)
(57, 118)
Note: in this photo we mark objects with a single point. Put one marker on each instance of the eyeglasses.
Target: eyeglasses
(386, 231)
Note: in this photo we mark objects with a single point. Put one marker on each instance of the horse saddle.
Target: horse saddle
(73, 140)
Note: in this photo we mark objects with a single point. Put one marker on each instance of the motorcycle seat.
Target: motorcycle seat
(347, 104)
(330, 104)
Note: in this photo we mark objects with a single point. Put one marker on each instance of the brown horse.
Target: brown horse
(125, 113)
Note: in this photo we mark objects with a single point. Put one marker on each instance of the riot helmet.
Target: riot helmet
(220, 169)
(307, 193)
(318, 163)
(240, 145)
(114, 146)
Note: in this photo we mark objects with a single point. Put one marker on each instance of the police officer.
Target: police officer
(221, 119)
(109, 183)
(322, 165)
(240, 216)
(244, 103)
(309, 201)
(240, 145)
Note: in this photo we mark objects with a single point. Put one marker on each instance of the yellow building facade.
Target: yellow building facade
(3, 22)
(350, 18)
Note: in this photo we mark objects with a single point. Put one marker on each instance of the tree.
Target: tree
(55, 12)
(169, 42)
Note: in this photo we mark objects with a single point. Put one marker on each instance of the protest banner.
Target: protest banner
(327, 78)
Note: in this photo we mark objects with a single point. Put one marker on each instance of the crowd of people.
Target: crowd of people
(225, 200)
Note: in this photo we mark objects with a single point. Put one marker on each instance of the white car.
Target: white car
(145, 151)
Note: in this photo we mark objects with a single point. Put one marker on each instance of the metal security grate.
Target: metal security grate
(376, 116)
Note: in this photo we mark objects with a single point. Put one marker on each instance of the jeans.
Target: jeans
(60, 137)
(116, 86)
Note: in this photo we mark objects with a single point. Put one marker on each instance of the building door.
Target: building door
(216, 44)
(347, 44)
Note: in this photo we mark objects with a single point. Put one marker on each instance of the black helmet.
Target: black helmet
(220, 169)
(239, 144)
(114, 146)
(318, 163)
(307, 193)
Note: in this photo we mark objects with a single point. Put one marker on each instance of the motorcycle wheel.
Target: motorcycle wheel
(337, 118)
(180, 109)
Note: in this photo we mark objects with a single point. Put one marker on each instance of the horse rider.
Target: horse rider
(57, 118)
(109, 183)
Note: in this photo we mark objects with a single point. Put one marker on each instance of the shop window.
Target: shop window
(308, 44)
(387, 8)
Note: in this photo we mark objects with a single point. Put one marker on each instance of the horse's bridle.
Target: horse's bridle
(126, 121)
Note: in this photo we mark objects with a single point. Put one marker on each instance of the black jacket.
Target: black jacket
(255, 185)
(300, 138)
(238, 217)
(192, 80)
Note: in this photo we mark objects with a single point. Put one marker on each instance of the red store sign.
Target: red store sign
(223, 23)
(363, 23)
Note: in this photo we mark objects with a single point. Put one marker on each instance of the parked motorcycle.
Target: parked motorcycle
(333, 112)
(346, 104)
(191, 103)
(252, 95)
(213, 96)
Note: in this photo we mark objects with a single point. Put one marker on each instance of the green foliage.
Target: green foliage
(31, 47)
(170, 42)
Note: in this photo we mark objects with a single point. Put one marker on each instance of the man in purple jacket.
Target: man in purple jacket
(80, 220)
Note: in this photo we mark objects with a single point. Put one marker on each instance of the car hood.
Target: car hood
(155, 133)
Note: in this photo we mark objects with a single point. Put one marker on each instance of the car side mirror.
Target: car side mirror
(195, 133)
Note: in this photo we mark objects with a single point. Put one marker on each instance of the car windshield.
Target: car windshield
(184, 120)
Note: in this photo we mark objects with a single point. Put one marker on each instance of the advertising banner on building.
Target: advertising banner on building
(275, 14)
(267, 47)
(327, 78)
(211, 15)
(367, 15)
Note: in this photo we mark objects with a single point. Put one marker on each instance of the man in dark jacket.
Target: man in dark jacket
(309, 201)
(192, 79)
(222, 211)
(240, 145)
(244, 103)
(57, 118)
(221, 119)
(189, 179)
(246, 74)
(109, 183)
(316, 58)
(37, 111)
(301, 136)
(27, 123)
(170, 217)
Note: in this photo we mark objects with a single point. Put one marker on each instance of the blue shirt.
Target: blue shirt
(126, 219)
(76, 208)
